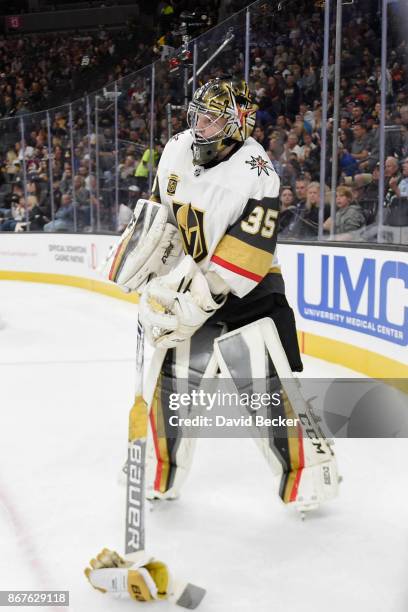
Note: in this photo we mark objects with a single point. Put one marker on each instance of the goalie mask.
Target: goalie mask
(220, 113)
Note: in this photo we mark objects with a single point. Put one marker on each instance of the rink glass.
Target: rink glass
(95, 132)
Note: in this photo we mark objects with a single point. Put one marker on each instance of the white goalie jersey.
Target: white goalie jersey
(226, 212)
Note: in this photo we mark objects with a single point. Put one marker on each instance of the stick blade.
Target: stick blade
(188, 595)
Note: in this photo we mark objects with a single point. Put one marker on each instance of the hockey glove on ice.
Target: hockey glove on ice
(145, 580)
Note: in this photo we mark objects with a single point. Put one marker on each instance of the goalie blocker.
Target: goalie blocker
(149, 246)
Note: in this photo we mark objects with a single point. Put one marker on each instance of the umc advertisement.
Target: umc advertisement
(357, 296)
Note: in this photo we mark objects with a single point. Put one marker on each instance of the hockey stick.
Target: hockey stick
(184, 594)
(138, 425)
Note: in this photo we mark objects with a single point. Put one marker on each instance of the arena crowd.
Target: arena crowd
(76, 187)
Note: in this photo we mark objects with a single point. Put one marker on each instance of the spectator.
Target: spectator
(287, 208)
(291, 170)
(64, 217)
(143, 168)
(308, 84)
(401, 187)
(127, 169)
(276, 143)
(357, 113)
(396, 198)
(259, 135)
(365, 193)
(17, 214)
(347, 162)
(302, 184)
(345, 126)
(35, 219)
(392, 179)
(307, 223)
(287, 199)
(292, 146)
(311, 211)
(81, 193)
(349, 215)
(361, 144)
(259, 69)
(291, 96)
(308, 145)
(66, 181)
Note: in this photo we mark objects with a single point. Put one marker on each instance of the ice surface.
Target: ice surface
(67, 376)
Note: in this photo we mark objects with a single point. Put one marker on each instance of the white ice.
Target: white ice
(66, 384)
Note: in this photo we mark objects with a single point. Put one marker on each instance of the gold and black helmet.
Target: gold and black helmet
(220, 113)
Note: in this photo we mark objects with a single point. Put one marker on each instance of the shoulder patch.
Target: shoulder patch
(260, 164)
(173, 179)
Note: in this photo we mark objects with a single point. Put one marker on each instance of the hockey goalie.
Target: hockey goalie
(201, 253)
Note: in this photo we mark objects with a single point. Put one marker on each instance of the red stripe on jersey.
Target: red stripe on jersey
(236, 269)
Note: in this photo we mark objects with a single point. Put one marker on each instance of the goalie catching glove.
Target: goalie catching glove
(145, 580)
(174, 306)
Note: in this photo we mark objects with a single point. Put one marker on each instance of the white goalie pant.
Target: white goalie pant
(299, 455)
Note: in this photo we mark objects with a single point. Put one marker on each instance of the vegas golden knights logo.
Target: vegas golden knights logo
(172, 184)
(190, 221)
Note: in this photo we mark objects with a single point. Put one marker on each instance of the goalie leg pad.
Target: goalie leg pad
(300, 453)
(173, 453)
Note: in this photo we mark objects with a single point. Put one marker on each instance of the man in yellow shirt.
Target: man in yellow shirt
(142, 168)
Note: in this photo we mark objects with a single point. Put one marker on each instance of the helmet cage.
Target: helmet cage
(197, 109)
(222, 99)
